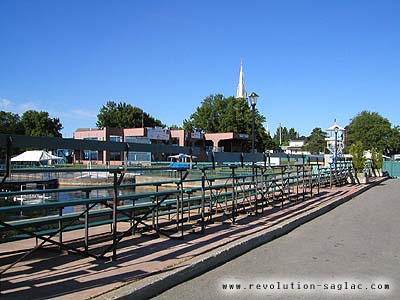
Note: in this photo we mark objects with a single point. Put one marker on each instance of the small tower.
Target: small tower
(335, 141)
(241, 89)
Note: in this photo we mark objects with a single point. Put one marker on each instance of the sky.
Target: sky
(309, 61)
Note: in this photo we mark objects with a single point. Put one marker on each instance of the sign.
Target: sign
(196, 135)
(158, 133)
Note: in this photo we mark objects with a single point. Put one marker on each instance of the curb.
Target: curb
(154, 285)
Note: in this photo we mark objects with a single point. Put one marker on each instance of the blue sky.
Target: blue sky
(310, 61)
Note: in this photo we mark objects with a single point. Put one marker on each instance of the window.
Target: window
(115, 138)
(90, 154)
(115, 155)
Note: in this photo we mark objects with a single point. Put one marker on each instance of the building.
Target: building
(241, 89)
(147, 135)
(95, 134)
(295, 147)
(227, 142)
(212, 142)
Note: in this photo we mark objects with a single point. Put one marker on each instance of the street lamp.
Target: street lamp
(253, 102)
(336, 146)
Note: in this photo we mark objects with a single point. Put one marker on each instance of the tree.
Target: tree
(394, 141)
(174, 126)
(207, 115)
(280, 135)
(315, 143)
(123, 115)
(219, 114)
(359, 160)
(293, 134)
(40, 124)
(371, 129)
(10, 123)
(270, 143)
(377, 158)
(284, 135)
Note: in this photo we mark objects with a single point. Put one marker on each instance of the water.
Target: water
(66, 197)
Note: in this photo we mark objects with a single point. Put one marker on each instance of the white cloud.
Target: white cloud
(71, 119)
(15, 107)
(5, 104)
(23, 107)
(84, 113)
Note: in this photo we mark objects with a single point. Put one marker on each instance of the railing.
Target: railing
(258, 186)
(164, 207)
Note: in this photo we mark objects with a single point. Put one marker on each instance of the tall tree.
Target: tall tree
(371, 129)
(293, 134)
(207, 115)
(357, 151)
(174, 126)
(40, 124)
(394, 141)
(284, 135)
(10, 123)
(219, 114)
(315, 143)
(123, 115)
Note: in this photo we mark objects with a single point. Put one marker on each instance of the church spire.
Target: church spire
(241, 89)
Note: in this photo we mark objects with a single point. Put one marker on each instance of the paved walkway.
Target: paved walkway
(48, 274)
(358, 242)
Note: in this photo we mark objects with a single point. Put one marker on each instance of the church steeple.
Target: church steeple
(241, 89)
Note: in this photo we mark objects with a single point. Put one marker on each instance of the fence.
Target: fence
(166, 207)
(392, 168)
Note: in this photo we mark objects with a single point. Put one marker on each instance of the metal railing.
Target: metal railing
(164, 207)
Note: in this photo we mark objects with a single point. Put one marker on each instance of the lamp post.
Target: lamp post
(336, 146)
(253, 102)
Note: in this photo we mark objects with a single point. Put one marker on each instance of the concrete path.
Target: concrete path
(356, 243)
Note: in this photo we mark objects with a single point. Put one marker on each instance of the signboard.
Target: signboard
(196, 135)
(158, 133)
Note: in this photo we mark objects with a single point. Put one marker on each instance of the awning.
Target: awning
(35, 156)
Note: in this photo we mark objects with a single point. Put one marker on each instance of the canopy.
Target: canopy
(35, 156)
(336, 127)
(182, 156)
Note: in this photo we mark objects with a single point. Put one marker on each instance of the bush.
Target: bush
(359, 160)
(377, 158)
(379, 161)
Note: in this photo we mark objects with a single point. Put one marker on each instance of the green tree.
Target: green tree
(359, 160)
(280, 136)
(123, 115)
(174, 126)
(377, 158)
(371, 129)
(394, 141)
(270, 143)
(374, 157)
(285, 135)
(293, 134)
(40, 124)
(219, 114)
(10, 123)
(316, 143)
(207, 115)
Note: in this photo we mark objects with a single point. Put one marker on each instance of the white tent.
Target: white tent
(35, 156)
(182, 156)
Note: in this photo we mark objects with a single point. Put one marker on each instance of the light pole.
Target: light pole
(336, 145)
(253, 102)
